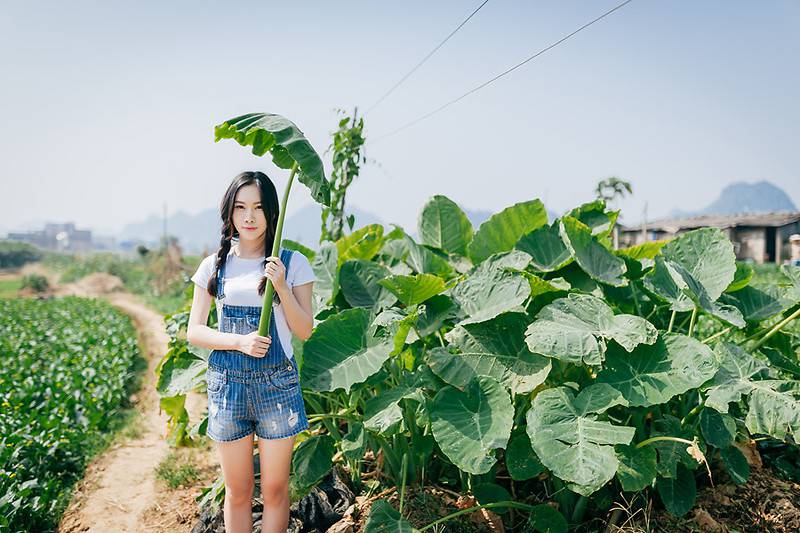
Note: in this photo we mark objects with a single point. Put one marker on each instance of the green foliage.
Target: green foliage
(66, 373)
(37, 282)
(347, 157)
(524, 354)
(14, 254)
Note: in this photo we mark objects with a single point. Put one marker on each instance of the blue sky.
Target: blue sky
(109, 107)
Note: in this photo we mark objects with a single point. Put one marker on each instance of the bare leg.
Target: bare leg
(236, 458)
(276, 459)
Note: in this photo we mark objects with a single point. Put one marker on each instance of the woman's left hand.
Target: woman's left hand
(275, 270)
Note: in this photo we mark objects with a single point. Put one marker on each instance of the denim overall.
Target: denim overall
(247, 393)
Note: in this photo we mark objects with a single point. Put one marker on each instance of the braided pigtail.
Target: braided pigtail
(222, 255)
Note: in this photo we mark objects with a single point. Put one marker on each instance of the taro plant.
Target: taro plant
(528, 362)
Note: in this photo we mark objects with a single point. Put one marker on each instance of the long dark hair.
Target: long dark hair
(271, 209)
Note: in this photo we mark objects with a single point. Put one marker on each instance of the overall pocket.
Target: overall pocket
(214, 381)
(285, 377)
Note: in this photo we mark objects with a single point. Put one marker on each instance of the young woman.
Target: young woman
(253, 384)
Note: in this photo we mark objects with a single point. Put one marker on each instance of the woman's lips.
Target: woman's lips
(249, 229)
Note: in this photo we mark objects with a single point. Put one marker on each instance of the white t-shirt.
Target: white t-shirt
(242, 277)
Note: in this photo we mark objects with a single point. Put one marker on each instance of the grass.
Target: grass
(176, 469)
(10, 287)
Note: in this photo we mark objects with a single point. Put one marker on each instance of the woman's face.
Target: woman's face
(248, 217)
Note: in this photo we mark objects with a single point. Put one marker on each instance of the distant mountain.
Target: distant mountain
(759, 197)
(199, 233)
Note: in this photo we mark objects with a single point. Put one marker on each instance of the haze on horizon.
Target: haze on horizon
(109, 107)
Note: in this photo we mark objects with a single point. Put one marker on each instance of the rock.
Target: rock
(706, 522)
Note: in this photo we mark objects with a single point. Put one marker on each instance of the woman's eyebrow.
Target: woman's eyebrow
(241, 202)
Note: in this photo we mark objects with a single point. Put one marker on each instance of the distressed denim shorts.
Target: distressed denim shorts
(245, 398)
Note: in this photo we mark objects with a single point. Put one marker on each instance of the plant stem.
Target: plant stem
(517, 505)
(776, 328)
(671, 321)
(266, 309)
(695, 410)
(403, 485)
(662, 437)
(692, 321)
(717, 334)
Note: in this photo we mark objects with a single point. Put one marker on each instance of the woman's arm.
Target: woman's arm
(199, 334)
(297, 308)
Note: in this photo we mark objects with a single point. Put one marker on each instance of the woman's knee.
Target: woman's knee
(240, 492)
(274, 492)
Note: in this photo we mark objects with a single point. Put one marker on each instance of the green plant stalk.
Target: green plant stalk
(692, 321)
(403, 484)
(716, 335)
(517, 505)
(266, 309)
(694, 412)
(671, 321)
(579, 510)
(651, 440)
(776, 328)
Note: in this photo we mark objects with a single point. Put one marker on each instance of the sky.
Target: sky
(109, 107)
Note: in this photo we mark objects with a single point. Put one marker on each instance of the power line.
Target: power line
(424, 59)
(481, 86)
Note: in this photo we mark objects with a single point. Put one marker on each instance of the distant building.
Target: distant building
(57, 237)
(760, 237)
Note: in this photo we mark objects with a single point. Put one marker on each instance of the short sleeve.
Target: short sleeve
(300, 270)
(204, 271)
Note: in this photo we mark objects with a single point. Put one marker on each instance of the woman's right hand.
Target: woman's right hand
(254, 344)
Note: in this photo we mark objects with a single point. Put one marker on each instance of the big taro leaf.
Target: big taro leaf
(575, 329)
(757, 304)
(653, 374)
(344, 350)
(594, 258)
(359, 280)
(502, 231)
(267, 132)
(548, 252)
(468, 425)
(423, 260)
(772, 408)
(493, 348)
(413, 290)
(442, 224)
(571, 441)
(383, 412)
(706, 255)
(363, 243)
(494, 288)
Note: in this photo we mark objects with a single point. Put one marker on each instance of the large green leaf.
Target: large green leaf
(493, 348)
(706, 254)
(757, 304)
(678, 493)
(521, 461)
(502, 231)
(267, 132)
(423, 260)
(575, 329)
(344, 350)
(571, 441)
(442, 224)
(413, 290)
(653, 374)
(637, 467)
(772, 407)
(363, 243)
(311, 461)
(180, 371)
(382, 413)
(594, 258)
(469, 425)
(325, 266)
(383, 518)
(359, 280)
(494, 288)
(548, 252)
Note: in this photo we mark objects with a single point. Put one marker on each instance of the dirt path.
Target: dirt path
(120, 491)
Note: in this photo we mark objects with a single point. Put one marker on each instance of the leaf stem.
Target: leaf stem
(692, 321)
(517, 505)
(671, 321)
(777, 327)
(716, 335)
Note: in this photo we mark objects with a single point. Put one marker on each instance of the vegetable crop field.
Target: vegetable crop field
(67, 368)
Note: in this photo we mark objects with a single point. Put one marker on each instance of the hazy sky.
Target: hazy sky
(109, 107)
